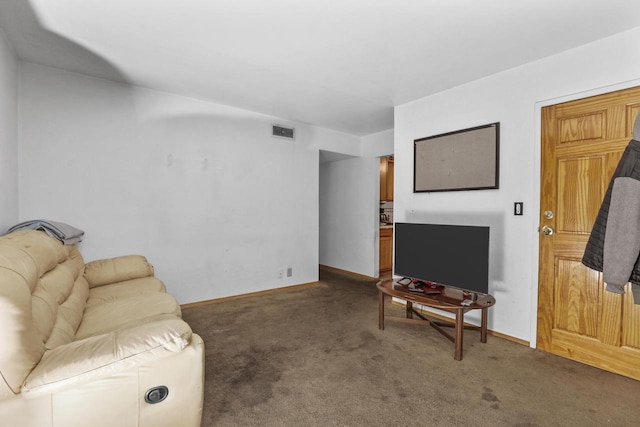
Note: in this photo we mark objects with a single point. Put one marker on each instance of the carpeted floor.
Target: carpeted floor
(315, 357)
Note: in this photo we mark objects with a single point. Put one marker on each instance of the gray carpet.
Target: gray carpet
(315, 357)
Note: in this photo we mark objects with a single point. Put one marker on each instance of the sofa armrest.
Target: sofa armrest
(113, 270)
(103, 355)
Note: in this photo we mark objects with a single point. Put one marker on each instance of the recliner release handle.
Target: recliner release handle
(156, 394)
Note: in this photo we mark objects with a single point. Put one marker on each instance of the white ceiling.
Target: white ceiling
(340, 64)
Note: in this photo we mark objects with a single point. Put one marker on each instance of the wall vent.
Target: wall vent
(278, 131)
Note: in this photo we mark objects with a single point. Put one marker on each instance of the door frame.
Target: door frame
(537, 157)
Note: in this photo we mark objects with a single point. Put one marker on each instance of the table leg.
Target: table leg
(409, 309)
(380, 310)
(483, 325)
(459, 333)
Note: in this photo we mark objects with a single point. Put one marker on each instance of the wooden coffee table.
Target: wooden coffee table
(450, 300)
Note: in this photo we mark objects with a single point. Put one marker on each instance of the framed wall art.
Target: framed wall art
(466, 159)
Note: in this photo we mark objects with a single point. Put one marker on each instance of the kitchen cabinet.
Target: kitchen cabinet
(386, 249)
(386, 178)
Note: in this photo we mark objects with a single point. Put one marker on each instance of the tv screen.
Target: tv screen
(452, 255)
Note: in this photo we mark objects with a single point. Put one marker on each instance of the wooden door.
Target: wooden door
(582, 142)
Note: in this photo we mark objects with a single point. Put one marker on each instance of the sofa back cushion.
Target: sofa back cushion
(119, 269)
(59, 301)
(42, 298)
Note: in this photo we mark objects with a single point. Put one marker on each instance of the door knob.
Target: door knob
(548, 231)
(548, 214)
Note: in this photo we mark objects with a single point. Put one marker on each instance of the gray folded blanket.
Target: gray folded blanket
(64, 232)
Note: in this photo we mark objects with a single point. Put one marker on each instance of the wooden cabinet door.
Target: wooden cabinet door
(582, 142)
(386, 179)
(386, 249)
(383, 178)
(389, 182)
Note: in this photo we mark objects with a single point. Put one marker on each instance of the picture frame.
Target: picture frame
(466, 159)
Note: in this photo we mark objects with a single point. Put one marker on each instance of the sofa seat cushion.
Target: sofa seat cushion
(126, 289)
(107, 354)
(113, 315)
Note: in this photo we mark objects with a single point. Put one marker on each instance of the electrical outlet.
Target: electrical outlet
(280, 274)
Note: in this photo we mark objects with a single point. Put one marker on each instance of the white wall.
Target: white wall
(348, 215)
(513, 98)
(349, 203)
(216, 204)
(378, 144)
(8, 135)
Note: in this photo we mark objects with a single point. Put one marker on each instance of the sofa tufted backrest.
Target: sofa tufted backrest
(42, 298)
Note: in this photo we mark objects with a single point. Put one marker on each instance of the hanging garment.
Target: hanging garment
(614, 244)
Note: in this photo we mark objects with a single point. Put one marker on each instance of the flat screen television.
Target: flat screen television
(452, 255)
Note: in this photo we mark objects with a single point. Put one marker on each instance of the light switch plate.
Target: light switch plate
(518, 208)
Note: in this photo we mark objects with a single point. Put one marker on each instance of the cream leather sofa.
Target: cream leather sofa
(91, 344)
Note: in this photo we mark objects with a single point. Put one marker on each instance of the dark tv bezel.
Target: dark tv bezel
(483, 289)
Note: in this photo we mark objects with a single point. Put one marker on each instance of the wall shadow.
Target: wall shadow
(34, 42)
(494, 220)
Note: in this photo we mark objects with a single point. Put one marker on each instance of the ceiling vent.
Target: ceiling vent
(278, 131)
